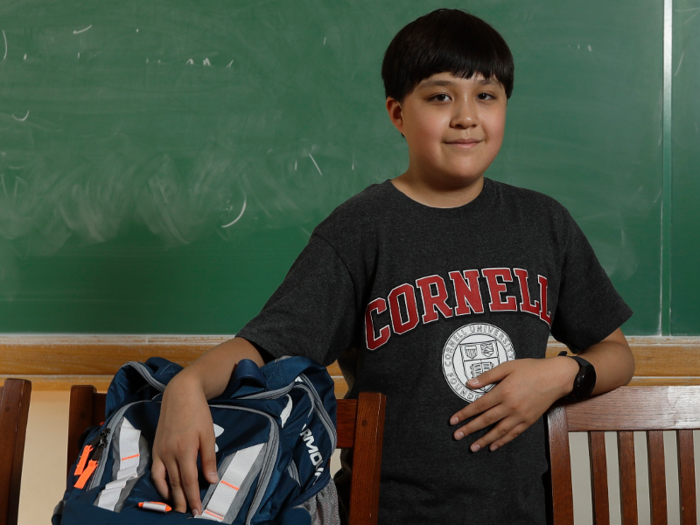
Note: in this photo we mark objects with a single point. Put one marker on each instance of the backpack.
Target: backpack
(275, 434)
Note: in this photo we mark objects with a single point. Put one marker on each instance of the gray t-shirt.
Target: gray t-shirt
(413, 301)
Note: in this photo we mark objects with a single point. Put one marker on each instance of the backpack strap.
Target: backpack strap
(127, 468)
(236, 475)
(247, 378)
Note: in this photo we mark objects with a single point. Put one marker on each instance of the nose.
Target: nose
(464, 115)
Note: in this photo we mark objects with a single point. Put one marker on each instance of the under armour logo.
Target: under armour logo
(217, 432)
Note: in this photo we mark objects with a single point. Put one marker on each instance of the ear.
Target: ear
(395, 111)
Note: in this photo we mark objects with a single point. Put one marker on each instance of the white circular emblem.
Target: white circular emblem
(471, 350)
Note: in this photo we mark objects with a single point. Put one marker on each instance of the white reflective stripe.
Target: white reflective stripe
(284, 416)
(110, 495)
(128, 465)
(230, 483)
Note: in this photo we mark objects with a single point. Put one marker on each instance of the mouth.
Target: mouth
(464, 143)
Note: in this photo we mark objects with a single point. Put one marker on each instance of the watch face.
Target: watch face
(585, 380)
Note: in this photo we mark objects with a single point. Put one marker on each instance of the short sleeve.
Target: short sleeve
(588, 307)
(312, 313)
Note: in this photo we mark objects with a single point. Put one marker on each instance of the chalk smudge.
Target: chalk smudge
(21, 119)
(245, 202)
(315, 164)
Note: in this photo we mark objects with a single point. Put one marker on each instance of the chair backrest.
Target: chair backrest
(14, 411)
(627, 410)
(360, 427)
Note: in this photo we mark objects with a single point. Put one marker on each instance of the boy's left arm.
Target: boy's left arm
(526, 388)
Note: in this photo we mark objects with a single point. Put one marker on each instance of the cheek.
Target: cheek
(430, 132)
(496, 130)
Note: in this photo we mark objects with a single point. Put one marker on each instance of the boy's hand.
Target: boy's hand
(185, 429)
(526, 389)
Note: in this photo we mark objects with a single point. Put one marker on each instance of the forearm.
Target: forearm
(212, 371)
(613, 362)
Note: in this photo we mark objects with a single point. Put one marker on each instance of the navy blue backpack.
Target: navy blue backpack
(275, 434)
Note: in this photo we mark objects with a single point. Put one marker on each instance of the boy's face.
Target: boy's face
(454, 127)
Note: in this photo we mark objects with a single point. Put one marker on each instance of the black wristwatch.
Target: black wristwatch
(584, 383)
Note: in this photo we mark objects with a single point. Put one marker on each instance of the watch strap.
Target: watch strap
(585, 379)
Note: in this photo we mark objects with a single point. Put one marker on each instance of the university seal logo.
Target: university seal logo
(470, 351)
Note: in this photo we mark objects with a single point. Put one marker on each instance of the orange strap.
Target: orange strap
(82, 480)
(83, 460)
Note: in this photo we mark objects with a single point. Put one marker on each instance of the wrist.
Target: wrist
(568, 370)
(585, 380)
(186, 383)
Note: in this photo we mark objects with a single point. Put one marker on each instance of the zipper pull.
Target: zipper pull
(96, 448)
(88, 449)
(99, 437)
(100, 447)
(80, 467)
(82, 480)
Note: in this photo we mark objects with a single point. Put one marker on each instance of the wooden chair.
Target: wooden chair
(14, 411)
(360, 427)
(626, 410)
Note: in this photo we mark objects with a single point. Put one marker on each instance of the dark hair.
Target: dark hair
(446, 40)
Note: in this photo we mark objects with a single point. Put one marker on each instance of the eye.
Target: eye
(441, 97)
(485, 96)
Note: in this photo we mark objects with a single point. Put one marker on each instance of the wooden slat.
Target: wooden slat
(55, 362)
(628, 478)
(101, 382)
(657, 477)
(80, 416)
(14, 412)
(367, 462)
(94, 354)
(599, 478)
(686, 477)
(346, 423)
(621, 410)
(665, 381)
(560, 462)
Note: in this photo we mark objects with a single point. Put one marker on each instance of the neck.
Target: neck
(436, 195)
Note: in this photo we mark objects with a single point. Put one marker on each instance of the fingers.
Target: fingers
(177, 495)
(190, 485)
(482, 404)
(158, 476)
(488, 400)
(177, 481)
(491, 376)
(488, 418)
(207, 451)
(501, 434)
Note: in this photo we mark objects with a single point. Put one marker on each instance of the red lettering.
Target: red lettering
(526, 304)
(409, 299)
(544, 314)
(498, 287)
(432, 303)
(467, 293)
(374, 342)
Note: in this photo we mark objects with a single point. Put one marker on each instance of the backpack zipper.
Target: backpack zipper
(145, 372)
(107, 441)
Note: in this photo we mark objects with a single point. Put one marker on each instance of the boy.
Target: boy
(438, 288)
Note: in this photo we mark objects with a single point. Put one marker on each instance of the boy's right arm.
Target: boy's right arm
(185, 428)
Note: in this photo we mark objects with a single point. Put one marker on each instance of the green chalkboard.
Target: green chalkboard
(685, 232)
(162, 162)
